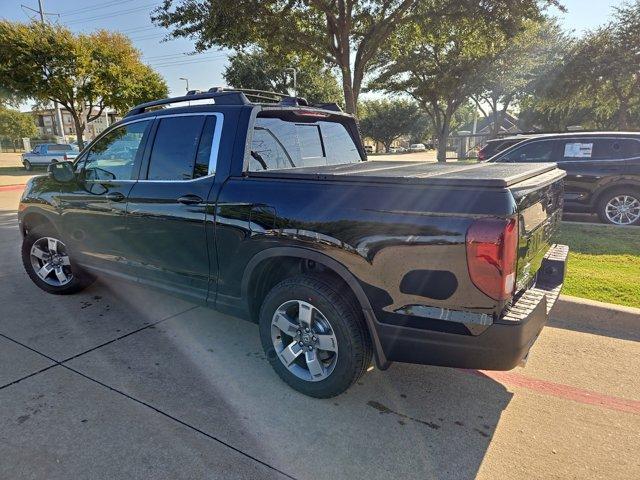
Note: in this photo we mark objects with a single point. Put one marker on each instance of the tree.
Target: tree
(342, 33)
(261, 70)
(84, 73)
(385, 120)
(347, 34)
(15, 125)
(439, 64)
(529, 58)
(598, 85)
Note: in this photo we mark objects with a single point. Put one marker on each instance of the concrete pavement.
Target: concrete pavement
(124, 382)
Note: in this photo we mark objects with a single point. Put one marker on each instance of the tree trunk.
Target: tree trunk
(623, 116)
(443, 135)
(349, 95)
(79, 126)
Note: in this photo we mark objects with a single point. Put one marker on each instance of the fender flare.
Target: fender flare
(297, 252)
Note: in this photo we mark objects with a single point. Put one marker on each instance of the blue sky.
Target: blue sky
(205, 70)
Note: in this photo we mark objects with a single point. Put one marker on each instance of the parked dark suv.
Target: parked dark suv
(497, 145)
(603, 171)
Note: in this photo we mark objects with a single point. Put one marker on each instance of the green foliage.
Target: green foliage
(387, 120)
(441, 61)
(598, 83)
(604, 262)
(15, 125)
(530, 59)
(85, 73)
(346, 35)
(261, 70)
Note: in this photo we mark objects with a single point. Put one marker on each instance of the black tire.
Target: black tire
(347, 324)
(27, 166)
(604, 200)
(80, 279)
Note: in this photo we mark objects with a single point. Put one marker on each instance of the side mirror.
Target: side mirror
(61, 171)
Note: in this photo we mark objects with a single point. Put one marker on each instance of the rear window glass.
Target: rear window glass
(174, 148)
(279, 144)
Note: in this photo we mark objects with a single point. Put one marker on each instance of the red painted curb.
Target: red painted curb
(559, 390)
(5, 188)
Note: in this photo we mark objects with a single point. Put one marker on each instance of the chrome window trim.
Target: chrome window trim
(213, 157)
(215, 145)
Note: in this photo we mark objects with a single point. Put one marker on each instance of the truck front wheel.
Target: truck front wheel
(313, 335)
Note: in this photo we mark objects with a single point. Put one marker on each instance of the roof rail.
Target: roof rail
(227, 97)
(234, 96)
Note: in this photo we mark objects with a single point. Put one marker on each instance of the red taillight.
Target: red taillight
(482, 155)
(492, 252)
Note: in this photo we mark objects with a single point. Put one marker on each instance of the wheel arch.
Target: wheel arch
(257, 265)
(33, 219)
(614, 186)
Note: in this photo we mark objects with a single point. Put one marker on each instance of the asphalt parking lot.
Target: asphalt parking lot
(124, 382)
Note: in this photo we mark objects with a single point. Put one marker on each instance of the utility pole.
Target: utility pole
(58, 113)
(41, 10)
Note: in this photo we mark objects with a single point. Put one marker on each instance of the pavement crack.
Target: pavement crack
(181, 422)
(28, 376)
(125, 335)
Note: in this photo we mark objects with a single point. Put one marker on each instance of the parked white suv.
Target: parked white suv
(417, 147)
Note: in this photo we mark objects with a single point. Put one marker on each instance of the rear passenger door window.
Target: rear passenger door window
(173, 155)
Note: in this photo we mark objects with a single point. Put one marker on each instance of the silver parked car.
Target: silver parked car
(47, 153)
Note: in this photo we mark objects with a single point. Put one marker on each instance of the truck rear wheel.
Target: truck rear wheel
(313, 335)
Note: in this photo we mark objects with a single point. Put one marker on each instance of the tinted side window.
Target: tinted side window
(113, 156)
(540, 151)
(174, 148)
(205, 165)
(600, 148)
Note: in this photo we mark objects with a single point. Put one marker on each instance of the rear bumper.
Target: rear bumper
(502, 345)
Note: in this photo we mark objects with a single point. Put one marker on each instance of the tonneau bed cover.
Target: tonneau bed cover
(495, 175)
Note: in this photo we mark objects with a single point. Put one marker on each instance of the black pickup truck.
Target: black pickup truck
(269, 210)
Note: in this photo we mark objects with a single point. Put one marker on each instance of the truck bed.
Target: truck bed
(490, 175)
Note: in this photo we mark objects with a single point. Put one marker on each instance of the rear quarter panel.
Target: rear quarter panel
(380, 233)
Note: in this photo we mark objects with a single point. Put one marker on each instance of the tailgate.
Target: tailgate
(539, 202)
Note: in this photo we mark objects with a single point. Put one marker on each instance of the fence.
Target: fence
(463, 146)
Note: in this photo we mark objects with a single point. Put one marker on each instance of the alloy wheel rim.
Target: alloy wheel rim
(623, 210)
(304, 340)
(51, 262)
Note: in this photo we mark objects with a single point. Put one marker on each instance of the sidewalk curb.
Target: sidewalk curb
(597, 315)
(15, 186)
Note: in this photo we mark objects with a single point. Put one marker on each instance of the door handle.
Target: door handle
(189, 199)
(115, 196)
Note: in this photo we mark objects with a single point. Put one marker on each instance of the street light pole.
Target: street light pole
(186, 80)
(295, 79)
